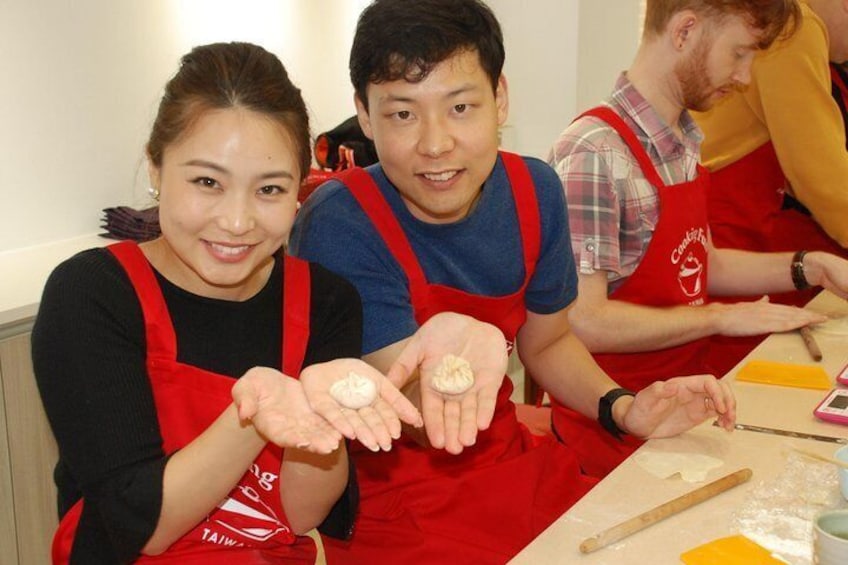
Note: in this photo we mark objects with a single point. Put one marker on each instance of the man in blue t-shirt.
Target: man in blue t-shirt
(445, 223)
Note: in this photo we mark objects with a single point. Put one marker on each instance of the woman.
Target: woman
(159, 364)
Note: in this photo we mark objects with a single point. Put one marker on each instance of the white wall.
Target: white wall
(608, 38)
(540, 38)
(81, 80)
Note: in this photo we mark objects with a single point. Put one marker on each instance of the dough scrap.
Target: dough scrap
(453, 375)
(693, 467)
(354, 391)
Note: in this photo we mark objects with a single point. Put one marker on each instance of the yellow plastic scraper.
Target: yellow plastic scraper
(733, 550)
(784, 374)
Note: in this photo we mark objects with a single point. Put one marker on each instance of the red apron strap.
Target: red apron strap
(527, 207)
(839, 81)
(612, 118)
(368, 195)
(159, 331)
(63, 539)
(296, 305)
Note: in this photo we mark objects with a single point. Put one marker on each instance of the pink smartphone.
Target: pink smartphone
(834, 407)
(842, 376)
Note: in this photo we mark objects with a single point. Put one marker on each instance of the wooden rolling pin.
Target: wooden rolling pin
(825, 458)
(663, 511)
(810, 343)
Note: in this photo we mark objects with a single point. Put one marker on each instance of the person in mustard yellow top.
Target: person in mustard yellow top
(777, 149)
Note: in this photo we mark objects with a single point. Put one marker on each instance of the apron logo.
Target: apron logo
(690, 274)
(249, 521)
(244, 514)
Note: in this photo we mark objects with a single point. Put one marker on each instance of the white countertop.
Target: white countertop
(24, 272)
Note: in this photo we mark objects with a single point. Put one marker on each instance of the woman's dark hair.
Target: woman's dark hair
(405, 39)
(230, 75)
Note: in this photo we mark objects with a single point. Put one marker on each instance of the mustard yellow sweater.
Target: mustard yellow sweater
(789, 102)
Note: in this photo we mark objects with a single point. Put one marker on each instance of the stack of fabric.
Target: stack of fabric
(123, 222)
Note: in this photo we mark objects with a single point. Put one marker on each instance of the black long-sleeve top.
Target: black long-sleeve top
(88, 348)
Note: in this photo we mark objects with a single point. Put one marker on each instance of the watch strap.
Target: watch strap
(799, 278)
(605, 410)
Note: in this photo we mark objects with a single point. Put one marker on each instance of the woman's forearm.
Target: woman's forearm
(310, 485)
(201, 474)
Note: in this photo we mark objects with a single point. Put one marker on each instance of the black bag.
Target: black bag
(344, 146)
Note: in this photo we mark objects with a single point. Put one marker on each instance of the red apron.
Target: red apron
(673, 272)
(749, 209)
(249, 526)
(746, 209)
(421, 505)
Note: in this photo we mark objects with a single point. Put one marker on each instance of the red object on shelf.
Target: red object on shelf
(313, 180)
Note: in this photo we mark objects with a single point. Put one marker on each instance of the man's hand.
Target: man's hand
(452, 421)
(761, 317)
(828, 271)
(667, 408)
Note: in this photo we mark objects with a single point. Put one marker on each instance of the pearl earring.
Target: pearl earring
(154, 193)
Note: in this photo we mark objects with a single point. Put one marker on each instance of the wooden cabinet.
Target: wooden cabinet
(28, 515)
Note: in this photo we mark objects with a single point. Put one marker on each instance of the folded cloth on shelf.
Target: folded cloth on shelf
(123, 222)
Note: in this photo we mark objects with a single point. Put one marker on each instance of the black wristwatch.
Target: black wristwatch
(605, 410)
(799, 278)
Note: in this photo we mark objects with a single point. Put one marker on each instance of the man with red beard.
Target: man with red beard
(636, 199)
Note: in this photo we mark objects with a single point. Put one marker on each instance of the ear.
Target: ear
(363, 117)
(502, 100)
(682, 27)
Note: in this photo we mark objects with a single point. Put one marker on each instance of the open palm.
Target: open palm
(277, 407)
(452, 421)
(374, 426)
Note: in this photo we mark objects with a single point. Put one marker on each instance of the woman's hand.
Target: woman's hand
(374, 425)
(452, 420)
(277, 407)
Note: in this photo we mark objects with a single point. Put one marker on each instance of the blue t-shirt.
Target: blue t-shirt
(480, 254)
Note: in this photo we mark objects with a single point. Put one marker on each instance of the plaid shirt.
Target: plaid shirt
(612, 208)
